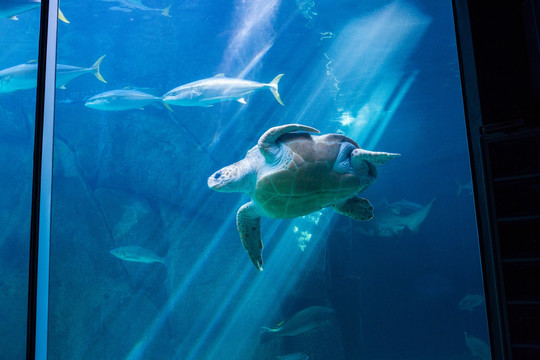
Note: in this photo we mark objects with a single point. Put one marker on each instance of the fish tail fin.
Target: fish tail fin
(166, 261)
(274, 88)
(413, 221)
(266, 335)
(61, 16)
(95, 68)
(459, 188)
(165, 11)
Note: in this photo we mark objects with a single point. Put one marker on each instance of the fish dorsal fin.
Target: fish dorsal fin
(220, 75)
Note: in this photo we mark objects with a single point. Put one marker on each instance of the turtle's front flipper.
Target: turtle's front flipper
(268, 139)
(375, 157)
(356, 208)
(249, 228)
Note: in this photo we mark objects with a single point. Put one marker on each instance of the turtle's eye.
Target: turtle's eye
(217, 175)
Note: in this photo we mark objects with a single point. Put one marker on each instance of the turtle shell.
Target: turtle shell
(304, 180)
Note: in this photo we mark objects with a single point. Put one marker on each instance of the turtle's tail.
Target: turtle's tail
(274, 88)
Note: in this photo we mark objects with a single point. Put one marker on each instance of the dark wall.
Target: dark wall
(505, 40)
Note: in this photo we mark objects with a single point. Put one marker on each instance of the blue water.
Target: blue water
(384, 73)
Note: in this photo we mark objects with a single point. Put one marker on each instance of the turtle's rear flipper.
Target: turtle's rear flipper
(249, 228)
(356, 208)
(375, 157)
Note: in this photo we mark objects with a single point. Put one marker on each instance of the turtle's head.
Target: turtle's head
(233, 178)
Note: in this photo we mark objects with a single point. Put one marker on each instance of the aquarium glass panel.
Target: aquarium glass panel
(19, 37)
(190, 133)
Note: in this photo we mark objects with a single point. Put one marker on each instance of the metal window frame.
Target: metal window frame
(40, 221)
(499, 336)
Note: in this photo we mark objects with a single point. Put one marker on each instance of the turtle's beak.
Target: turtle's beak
(215, 182)
(224, 180)
(233, 178)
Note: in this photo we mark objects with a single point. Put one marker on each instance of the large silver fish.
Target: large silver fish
(130, 5)
(137, 254)
(24, 76)
(12, 8)
(117, 100)
(301, 322)
(216, 89)
(394, 219)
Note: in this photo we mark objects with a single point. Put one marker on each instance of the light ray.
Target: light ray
(392, 26)
(369, 58)
(138, 350)
(254, 30)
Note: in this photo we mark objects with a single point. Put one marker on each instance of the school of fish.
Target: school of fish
(205, 92)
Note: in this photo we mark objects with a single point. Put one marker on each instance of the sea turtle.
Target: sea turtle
(290, 174)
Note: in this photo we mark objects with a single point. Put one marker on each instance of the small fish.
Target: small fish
(293, 356)
(130, 5)
(478, 347)
(24, 76)
(394, 219)
(403, 206)
(137, 254)
(12, 8)
(117, 100)
(467, 188)
(217, 89)
(301, 322)
(306, 8)
(469, 302)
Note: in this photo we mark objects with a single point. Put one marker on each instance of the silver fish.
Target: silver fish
(301, 322)
(403, 206)
(12, 8)
(24, 76)
(478, 347)
(130, 5)
(117, 100)
(392, 220)
(469, 302)
(216, 89)
(137, 254)
(464, 188)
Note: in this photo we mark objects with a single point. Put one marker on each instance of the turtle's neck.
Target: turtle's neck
(246, 176)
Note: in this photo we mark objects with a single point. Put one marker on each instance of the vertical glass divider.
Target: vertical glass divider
(38, 284)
